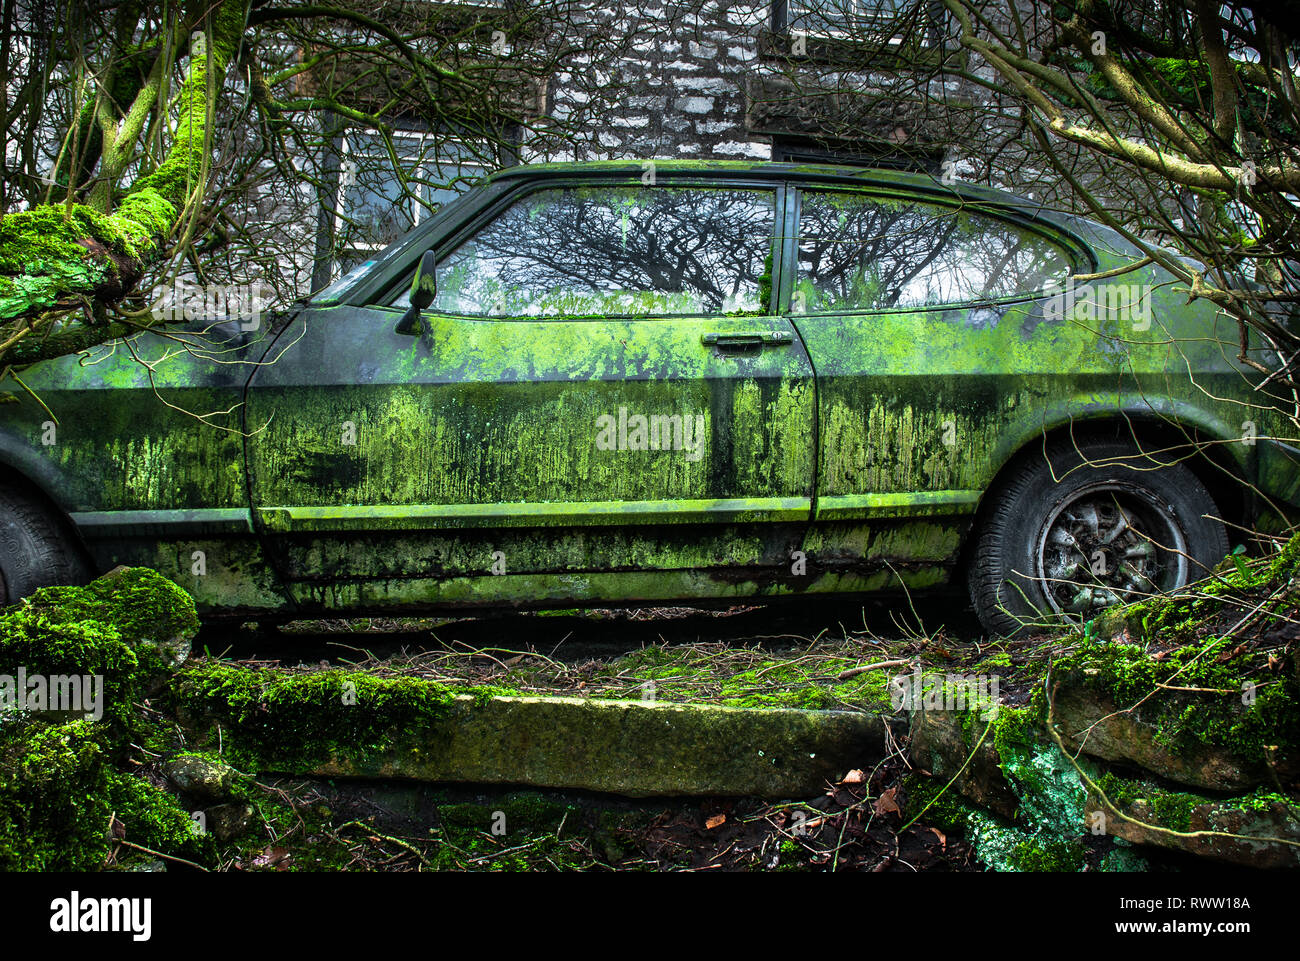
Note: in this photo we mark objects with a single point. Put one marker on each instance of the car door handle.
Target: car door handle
(746, 338)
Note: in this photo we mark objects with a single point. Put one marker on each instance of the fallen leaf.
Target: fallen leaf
(715, 821)
(853, 777)
(885, 804)
(943, 838)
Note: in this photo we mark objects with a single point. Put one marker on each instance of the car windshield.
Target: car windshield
(335, 290)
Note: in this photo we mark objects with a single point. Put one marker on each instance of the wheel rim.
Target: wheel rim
(1107, 544)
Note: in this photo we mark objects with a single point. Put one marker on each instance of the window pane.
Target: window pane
(448, 171)
(622, 251)
(859, 252)
(850, 16)
(374, 209)
(373, 200)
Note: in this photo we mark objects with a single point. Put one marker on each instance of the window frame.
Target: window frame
(1077, 254)
(826, 43)
(393, 295)
(419, 211)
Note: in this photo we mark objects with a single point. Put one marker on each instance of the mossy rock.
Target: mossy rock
(130, 627)
(1237, 728)
(942, 742)
(349, 723)
(65, 800)
(63, 804)
(1091, 722)
(142, 606)
(199, 777)
(1266, 824)
(1002, 843)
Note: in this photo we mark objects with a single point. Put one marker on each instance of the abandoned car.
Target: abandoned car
(629, 383)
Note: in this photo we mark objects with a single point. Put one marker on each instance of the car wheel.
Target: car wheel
(1086, 527)
(34, 549)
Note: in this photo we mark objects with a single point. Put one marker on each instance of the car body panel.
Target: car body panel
(156, 477)
(487, 423)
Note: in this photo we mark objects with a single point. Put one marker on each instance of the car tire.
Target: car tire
(35, 550)
(1079, 527)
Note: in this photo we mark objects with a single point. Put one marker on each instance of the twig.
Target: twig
(159, 854)
(878, 665)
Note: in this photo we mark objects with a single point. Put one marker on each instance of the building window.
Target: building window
(375, 204)
(912, 23)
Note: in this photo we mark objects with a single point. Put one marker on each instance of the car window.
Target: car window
(858, 252)
(586, 251)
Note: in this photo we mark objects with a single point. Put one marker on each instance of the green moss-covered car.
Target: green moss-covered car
(625, 383)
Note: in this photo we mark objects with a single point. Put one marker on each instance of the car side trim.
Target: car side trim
(223, 520)
(597, 513)
(908, 504)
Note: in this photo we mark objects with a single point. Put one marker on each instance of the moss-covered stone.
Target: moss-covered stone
(1001, 844)
(139, 604)
(1261, 829)
(298, 721)
(350, 723)
(1203, 715)
(129, 627)
(199, 777)
(64, 805)
(681, 674)
(66, 800)
(945, 744)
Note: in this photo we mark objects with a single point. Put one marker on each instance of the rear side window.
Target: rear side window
(858, 252)
(616, 251)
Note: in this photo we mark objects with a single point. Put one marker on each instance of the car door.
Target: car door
(924, 320)
(599, 405)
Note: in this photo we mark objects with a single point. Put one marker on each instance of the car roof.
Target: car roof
(922, 185)
(767, 170)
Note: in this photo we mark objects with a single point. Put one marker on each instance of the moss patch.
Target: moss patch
(119, 627)
(305, 718)
(63, 805)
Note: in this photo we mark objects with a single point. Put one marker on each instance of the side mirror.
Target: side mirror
(423, 288)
